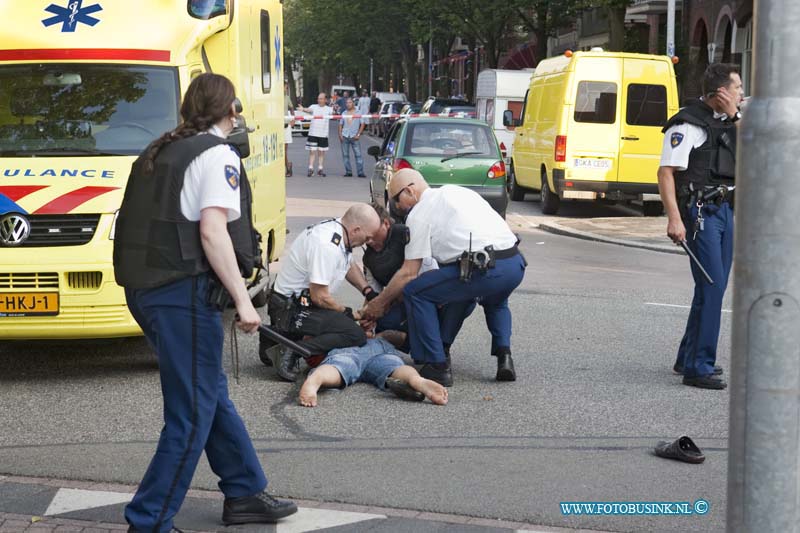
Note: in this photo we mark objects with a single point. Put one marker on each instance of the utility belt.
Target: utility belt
(692, 195)
(283, 309)
(481, 260)
(218, 296)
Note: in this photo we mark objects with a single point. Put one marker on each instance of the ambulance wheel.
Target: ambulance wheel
(550, 200)
(652, 209)
(261, 297)
(516, 192)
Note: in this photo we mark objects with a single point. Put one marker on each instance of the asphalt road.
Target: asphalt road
(595, 333)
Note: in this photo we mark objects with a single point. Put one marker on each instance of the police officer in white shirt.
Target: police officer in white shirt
(478, 258)
(301, 303)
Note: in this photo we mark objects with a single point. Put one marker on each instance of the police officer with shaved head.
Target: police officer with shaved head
(478, 258)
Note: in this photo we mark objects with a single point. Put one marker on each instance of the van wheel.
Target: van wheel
(550, 201)
(516, 192)
(652, 209)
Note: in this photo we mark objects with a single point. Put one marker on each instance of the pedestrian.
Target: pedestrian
(698, 161)
(301, 303)
(183, 242)
(350, 129)
(287, 136)
(341, 101)
(363, 107)
(478, 259)
(317, 140)
(374, 107)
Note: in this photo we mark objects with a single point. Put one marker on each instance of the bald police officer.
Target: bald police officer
(301, 303)
(478, 258)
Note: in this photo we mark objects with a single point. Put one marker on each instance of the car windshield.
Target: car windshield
(449, 139)
(84, 109)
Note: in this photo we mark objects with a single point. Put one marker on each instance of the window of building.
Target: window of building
(266, 56)
(647, 105)
(596, 102)
(747, 57)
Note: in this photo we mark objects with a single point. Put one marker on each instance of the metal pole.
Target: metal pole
(671, 28)
(371, 89)
(764, 438)
(430, 62)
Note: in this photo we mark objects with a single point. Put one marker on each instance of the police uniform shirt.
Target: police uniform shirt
(212, 180)
(680, 139)
(447, 219)
(318, 256)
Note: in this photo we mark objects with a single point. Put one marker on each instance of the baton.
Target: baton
(274, 336)
(696, 261)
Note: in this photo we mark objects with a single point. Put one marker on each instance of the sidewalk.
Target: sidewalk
(39, 505)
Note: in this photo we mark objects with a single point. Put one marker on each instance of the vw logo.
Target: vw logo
(14, 230)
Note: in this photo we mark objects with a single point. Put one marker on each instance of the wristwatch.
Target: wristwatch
(736, 117)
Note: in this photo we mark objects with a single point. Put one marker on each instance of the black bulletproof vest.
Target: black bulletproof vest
(383, 265)
(154, 244)
(714, 162)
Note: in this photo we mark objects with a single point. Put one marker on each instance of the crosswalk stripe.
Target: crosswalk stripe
(69, 500)
(313, 519)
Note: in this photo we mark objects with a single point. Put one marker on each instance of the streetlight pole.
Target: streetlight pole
(764, 437)
(371, 90)
(671, 28)
(430, 62)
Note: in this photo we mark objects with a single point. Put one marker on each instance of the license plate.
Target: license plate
(589, 162)
(20, 304)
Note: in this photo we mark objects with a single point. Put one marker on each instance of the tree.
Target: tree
(544, 17)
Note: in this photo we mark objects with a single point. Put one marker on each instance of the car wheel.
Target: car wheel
(652, 209)
(516, 192)
(550, 200)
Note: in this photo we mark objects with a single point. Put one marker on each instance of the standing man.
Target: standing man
(374, 107)
(695, 181)
(350, 129)
(302, 302)
(317, 140)
(183, 238)
(447, 224)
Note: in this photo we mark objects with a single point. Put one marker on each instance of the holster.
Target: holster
(469, 262)
(218, 296)
(282, 309)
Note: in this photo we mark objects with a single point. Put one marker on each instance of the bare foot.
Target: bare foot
(432, 390)
(308, 393)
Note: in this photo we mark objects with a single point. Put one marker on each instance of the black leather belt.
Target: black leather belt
(498, 254)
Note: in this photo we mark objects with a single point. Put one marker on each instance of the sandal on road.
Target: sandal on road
(683, 449)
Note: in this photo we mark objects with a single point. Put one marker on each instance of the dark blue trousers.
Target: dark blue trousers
(439, 287)
(451, 318)
(714, 248)
(187, 336)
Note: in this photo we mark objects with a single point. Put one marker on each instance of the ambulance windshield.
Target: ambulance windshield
(78, 109)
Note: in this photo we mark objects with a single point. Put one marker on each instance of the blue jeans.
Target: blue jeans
(713, 246)
(346, 144)
(423, 295)
(187, 336)
(371, 363)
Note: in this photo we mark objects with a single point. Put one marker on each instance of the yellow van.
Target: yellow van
(85, 85)
(591, 129)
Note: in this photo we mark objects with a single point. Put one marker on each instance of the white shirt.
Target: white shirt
(317, 256)
(447, 219)
(212, 180)
(363, 105)
(319, 126)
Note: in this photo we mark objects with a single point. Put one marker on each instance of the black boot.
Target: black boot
(438, 372)
(505, 366)
(288, 366)
(259, 508)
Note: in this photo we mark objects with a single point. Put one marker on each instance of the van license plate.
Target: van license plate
(21, 304)
(589, 162)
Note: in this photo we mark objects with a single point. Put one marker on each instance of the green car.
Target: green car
(447, 151)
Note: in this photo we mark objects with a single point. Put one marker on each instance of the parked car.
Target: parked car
(591, 129)
(302, 125)
(434, 105)
(459, 111)
(410, 109)
(386, 122)
(500, 91)
(392, 97)
(447, 151)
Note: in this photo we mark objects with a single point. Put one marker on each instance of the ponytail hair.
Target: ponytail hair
(207, 101)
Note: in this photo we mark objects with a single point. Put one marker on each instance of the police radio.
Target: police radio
(239, 137)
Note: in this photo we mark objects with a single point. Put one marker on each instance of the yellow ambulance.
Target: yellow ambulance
(85, 85)
(591, 129)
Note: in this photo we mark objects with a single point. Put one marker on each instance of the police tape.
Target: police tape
(388, 115)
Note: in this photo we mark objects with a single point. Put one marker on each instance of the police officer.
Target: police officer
(184, 232)
(301, 302)
(447, 224)
(695, 180)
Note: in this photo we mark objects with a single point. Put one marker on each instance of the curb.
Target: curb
(558, 229)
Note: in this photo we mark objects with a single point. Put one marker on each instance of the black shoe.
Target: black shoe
(438, 372)
(678, 369)
(505, 368)
(362, 175)
(288, 367)
(310, 172)
(259, 508)
(403, 390)
(348, 174)
(321, 173)
(705, 382)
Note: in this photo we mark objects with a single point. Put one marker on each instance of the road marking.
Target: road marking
(68, 500)
(308, 519)
(679, 306)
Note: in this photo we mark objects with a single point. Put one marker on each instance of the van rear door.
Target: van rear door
(594, 124)
(644, 113)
